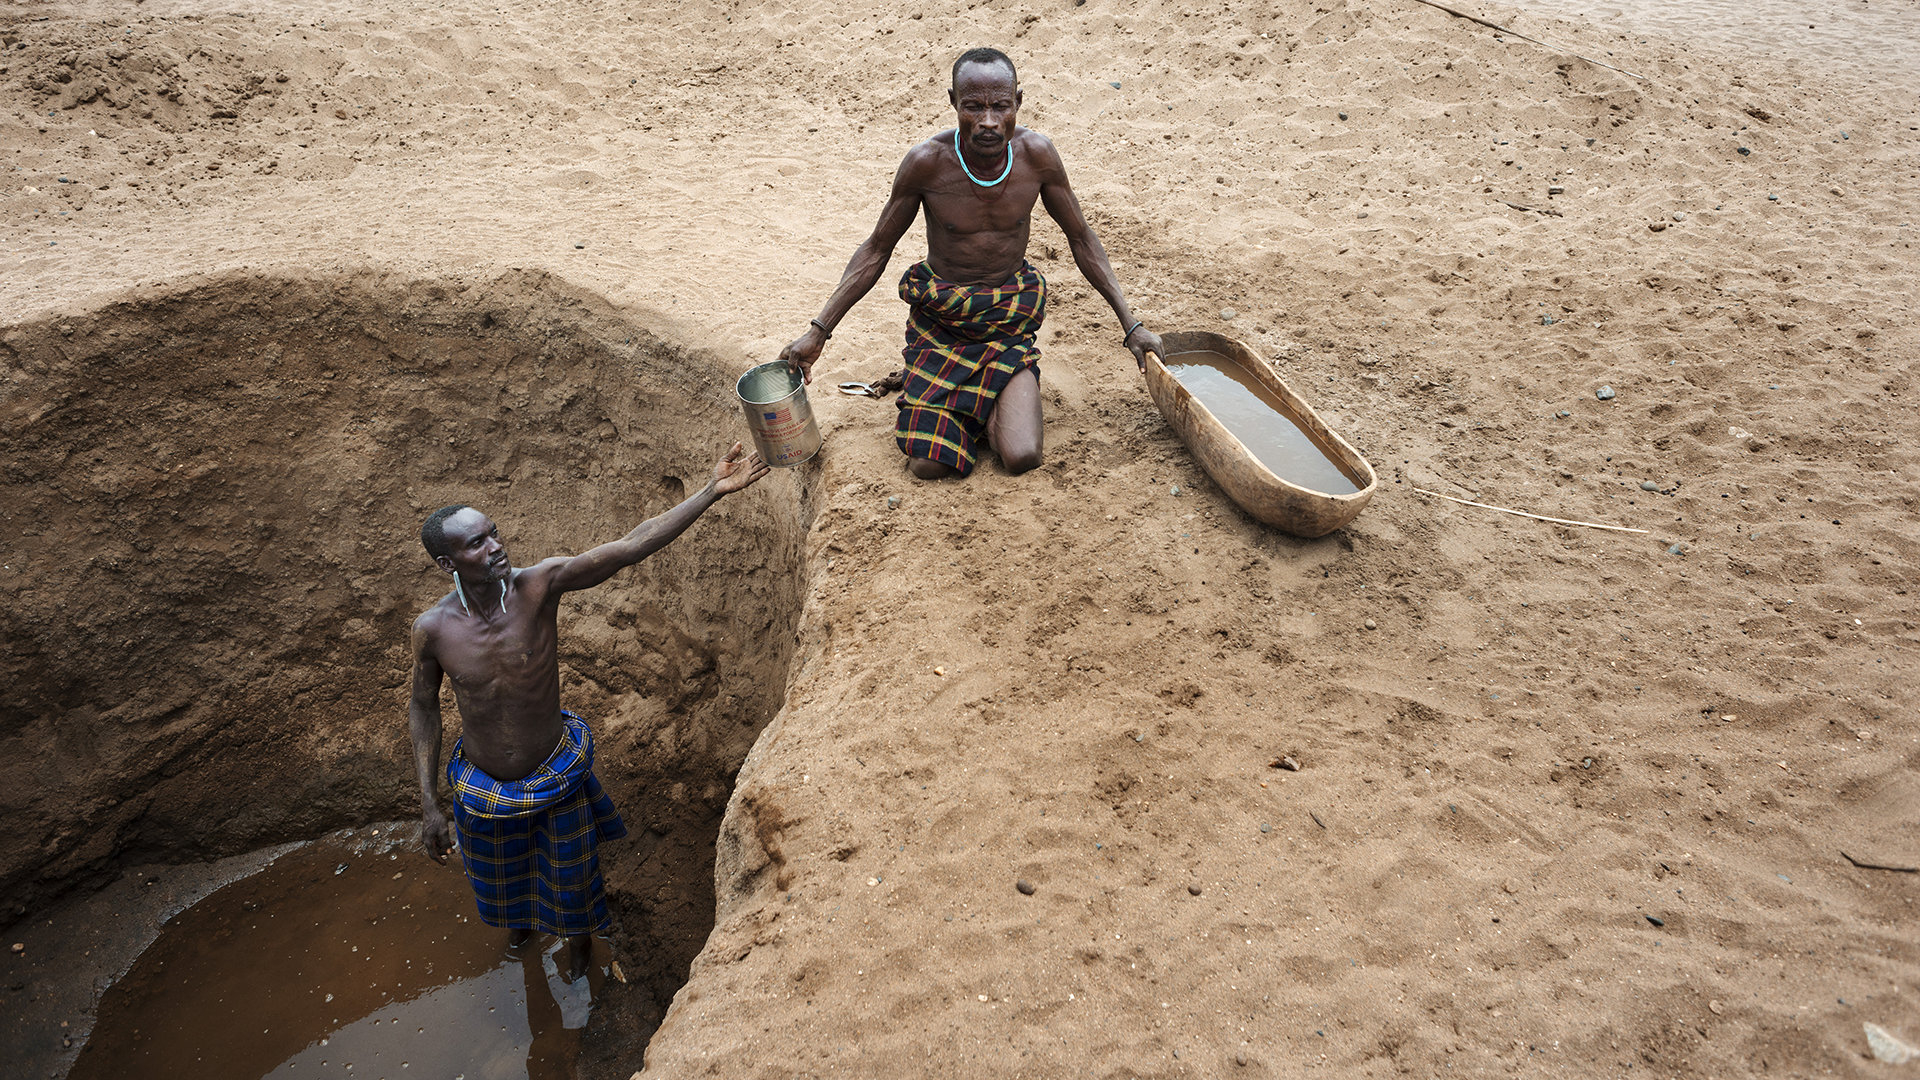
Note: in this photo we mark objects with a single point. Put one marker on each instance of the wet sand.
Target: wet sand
(1858, 40)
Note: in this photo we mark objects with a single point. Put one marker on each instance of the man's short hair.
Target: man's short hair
(433, 532)
(984, 56)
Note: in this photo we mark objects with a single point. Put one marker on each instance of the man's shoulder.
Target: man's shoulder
(1031, 139)
(931, 152)
(1037, 147)
(427, 623)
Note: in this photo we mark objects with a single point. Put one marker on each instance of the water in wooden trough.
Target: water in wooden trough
(1259, 420)
(352, 957)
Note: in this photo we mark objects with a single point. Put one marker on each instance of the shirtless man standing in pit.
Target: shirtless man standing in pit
(977, 303)
(528, 810)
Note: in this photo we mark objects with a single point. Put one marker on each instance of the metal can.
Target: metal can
(775, 401)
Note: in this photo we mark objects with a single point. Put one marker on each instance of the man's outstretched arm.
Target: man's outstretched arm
(1090, 255)
(423, 724)
(735, 470)
(863, 270)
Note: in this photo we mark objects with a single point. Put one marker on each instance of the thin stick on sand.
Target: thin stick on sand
(1864, 865)
(1524, 514)
(1523, 37)
(1531, 209)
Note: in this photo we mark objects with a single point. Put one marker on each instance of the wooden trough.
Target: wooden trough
(1285, 506)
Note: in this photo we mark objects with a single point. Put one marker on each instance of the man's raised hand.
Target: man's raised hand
(1142, 342)
(733, 471)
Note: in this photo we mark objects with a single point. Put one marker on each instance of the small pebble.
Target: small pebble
(1676, 549)
(1656, 226)
(1239, 1059)
(1744, 151)
(19, 947)
(1264, 827)
(1371, 625)
(1563, 414)
(577, 246)
(1174, 490)
(1656, 922)
(1716, 1008)
(1025, 887)
(1343, 116)
(1648, 485)
(1605, 393)
(1288, 764)
(1115, 85)
(1229, 314)
(1193, 890)
(1556, 190)
(1773, 198)
(893, 502)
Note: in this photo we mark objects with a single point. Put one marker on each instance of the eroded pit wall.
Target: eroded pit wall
(209, 517)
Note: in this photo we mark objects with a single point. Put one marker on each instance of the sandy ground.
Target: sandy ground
(1571, 802)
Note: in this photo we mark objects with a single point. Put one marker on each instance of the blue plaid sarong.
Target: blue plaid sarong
(965, 343)
(530, 845)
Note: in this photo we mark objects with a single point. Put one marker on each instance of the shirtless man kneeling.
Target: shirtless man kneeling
(527, 807)
(972, 355)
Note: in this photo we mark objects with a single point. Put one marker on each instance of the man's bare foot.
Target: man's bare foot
(518, 936)
(928, 469)
(579, 952)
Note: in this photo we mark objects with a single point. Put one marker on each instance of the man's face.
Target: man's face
(476, 551)
(985, 101)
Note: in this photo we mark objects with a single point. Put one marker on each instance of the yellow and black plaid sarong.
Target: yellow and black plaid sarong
(964, 344)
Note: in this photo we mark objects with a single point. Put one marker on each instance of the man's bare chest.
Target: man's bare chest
(956, 211)
(484, 655)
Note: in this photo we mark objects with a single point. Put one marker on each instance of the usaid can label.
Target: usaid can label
(785, 432)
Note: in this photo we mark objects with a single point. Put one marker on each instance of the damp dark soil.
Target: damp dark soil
(211, 500)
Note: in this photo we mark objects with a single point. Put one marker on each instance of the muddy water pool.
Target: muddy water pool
(353, 956)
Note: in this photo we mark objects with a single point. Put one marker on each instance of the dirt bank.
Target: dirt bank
(210, 494)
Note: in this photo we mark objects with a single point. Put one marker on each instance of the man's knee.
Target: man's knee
(1024, 459)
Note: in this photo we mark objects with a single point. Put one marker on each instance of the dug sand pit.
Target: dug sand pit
(213, 501)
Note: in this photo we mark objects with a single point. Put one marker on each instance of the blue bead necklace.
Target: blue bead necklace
(963, 163)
